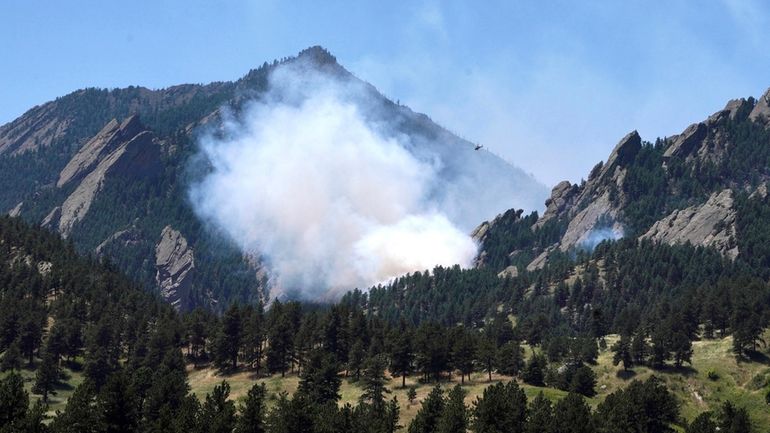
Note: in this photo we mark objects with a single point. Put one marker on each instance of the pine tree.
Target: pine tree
(320, 382)
(401, 355)
(702, 423)
(540, 415)
(427, 417)
(46, 377)
(622, 353)
(118, 405)
(374, 389)
(252, 411)
(574, 415)
(11, 358)
(229, 339)
(454, 417)
(463, 354)
(80, 414)
(583, 381)
(510, 359)
(487, 355)
(501, 408)
(14, 402)
(217, 412)
(534, 373)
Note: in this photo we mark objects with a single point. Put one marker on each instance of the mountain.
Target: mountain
(701, 187)
(110, 171)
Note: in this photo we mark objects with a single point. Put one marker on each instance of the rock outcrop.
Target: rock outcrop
(16, 211)
(710, 224)
(137, 157)
(175, 264)
(562, 196)
(761, 111)
(123, 238)
(39, 127)
(107, 140)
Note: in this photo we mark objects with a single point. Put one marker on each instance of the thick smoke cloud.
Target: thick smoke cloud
(331, 197)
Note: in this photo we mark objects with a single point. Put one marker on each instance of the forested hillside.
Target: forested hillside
(106, 356)
(111, 170)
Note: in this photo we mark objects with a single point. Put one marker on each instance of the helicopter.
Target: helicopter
(478, 147)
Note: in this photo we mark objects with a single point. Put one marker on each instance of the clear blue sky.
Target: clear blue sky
(549, 87)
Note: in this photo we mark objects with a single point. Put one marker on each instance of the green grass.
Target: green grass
(71, 379)
(743, 383)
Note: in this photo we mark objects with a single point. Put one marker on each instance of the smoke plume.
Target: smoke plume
(332, 196)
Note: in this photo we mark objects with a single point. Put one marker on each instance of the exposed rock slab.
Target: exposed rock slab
(562, 196)
(107, 140)
(709, 224)
(125, 238)
(599, 214)
(761, 111)
(16, 211)
(175, 264)
(138, 157)
(39, 127)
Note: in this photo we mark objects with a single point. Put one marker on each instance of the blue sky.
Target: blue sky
(550, 86)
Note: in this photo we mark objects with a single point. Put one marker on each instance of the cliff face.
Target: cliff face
(175, 264)
(711, 224)
(680, 190)
(117, 151)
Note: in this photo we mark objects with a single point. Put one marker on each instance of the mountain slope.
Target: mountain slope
(688, 188)
(110, 170)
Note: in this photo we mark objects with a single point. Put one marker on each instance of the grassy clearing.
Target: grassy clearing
(70, 380)
(743, 383)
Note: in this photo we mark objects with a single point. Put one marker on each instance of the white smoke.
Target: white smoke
(311, 178)
(599, 235)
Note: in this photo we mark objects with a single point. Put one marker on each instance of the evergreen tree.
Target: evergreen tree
(46, 377)
(622, 353)
(463, 354)
(487, 355)
(510, 359)
(228, 340)
(540, 415)
(80, 414)
(454, 417)
(733, 420)
(374, 389)
(217, 412)
(583, 381)
(572, 415)
(534, 372)
(117, 405)
(11, 358)
(320, 382)
(14, 402)
(501, 408)
(401, 353)
(702, 423)
(427, 417)
(252, 411)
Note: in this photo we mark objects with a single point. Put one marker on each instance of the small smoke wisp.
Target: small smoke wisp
(304, 180)
(599, 235)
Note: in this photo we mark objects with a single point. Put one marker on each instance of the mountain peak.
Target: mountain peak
(317, 54)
